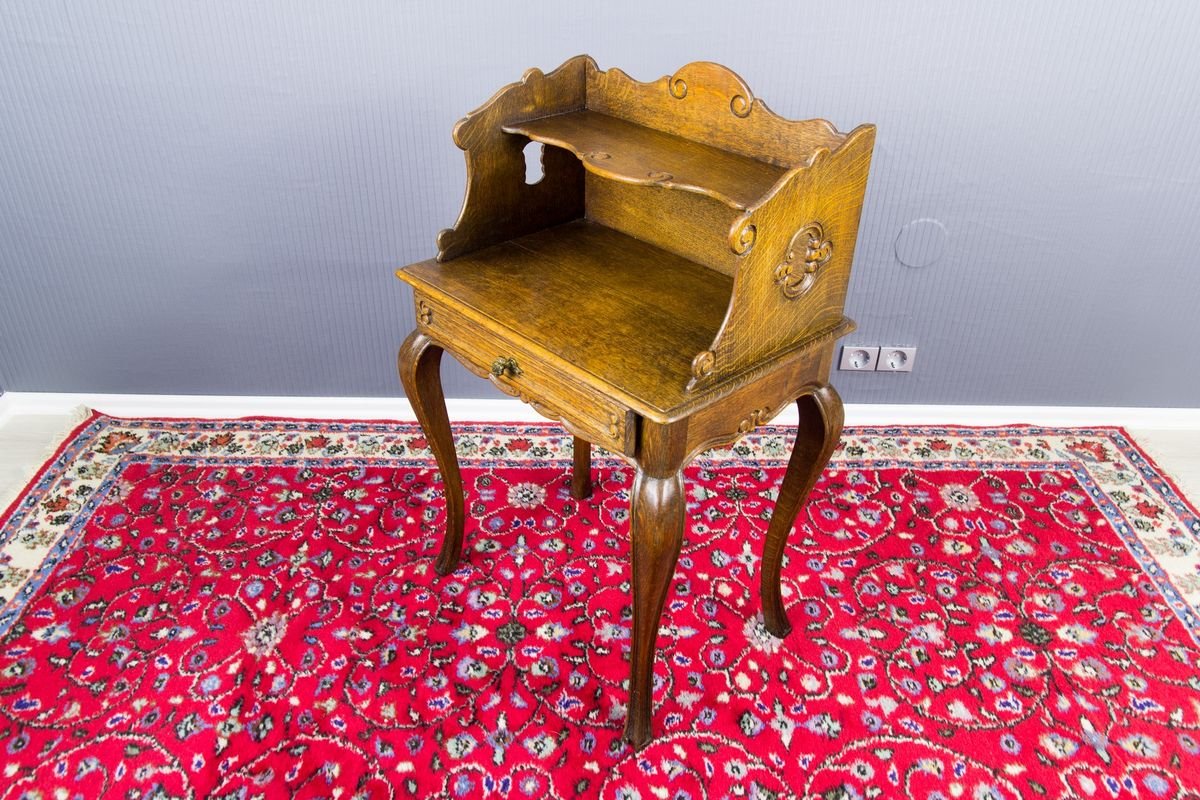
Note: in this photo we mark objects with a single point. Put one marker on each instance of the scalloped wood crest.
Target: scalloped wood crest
(711, 103)
(706, 92)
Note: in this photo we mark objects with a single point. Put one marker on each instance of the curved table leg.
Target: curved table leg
(656, 532)
(817, 435)
(420, 361)
(581, 475)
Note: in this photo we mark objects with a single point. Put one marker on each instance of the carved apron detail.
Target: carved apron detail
(757, 417)
(760, 416)
(808, 251)
(424, 313)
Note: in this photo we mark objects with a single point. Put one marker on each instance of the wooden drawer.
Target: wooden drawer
(510, 363)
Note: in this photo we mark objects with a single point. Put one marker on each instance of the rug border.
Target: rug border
(1192, 505)
(95, 414)
(67, 440)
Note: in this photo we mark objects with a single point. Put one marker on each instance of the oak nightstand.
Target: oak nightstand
(674, 280)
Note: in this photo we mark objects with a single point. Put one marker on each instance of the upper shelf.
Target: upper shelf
(625, 151)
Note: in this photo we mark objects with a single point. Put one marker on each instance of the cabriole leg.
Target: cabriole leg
(817, 435)
(420, 361)
(656, 533)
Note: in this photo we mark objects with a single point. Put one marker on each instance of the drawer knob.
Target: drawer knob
(505, 366)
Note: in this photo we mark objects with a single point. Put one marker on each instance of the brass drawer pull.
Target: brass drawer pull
(505, 366)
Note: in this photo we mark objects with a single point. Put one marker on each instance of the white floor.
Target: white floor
(28, 439)
(26, 442)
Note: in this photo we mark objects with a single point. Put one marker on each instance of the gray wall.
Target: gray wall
(211, 197)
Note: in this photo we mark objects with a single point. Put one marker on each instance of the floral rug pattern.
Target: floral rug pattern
(247, 608)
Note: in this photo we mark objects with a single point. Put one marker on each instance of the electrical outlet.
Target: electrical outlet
(896, 359)
(859, 359)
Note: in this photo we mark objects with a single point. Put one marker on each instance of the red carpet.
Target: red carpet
(248, 609)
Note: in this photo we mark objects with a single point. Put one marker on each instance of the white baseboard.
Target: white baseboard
(233, 406)
(220, 406)
(507, 410)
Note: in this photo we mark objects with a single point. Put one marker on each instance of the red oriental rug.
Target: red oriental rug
(248, 609)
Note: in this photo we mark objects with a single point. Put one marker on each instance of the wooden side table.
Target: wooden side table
(674, 280)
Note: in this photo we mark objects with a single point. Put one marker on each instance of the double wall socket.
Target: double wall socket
(862, 359)
(877, 359)
(896, 359)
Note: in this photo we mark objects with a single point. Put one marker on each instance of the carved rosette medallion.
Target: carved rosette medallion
(808, 251)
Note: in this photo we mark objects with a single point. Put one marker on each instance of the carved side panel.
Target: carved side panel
(710, 103)
(499, 204)
(795, 266)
